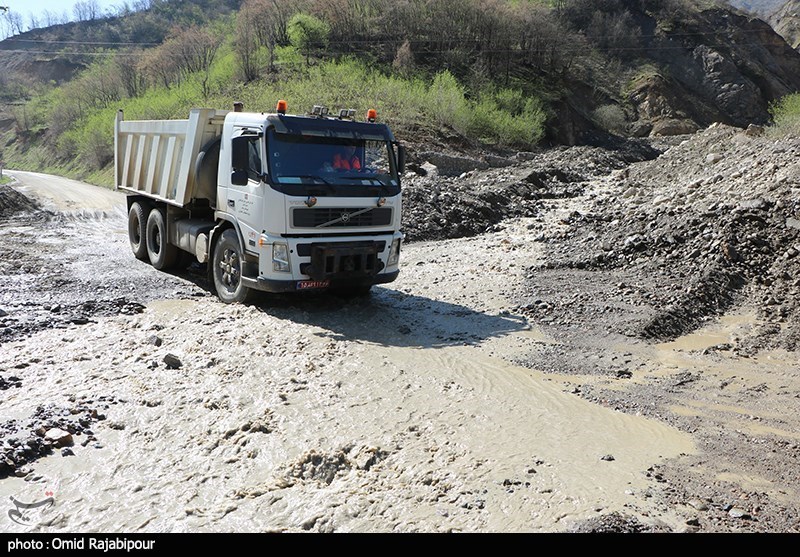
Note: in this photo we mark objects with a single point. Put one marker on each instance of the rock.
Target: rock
(790, 223)
(66, 451)
(713, 158)
(757, 203)
(730, 252)
(2, 313)
(640, 128)
(430, 170)
(59, 437)
(172, 361)
(754, 131)
(607, 458)
(698, 504)
(673, 127)
(736, 512)
(154, 340)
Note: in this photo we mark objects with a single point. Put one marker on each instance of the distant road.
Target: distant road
(62, 194)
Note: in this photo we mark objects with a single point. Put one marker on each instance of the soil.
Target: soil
(595, 339)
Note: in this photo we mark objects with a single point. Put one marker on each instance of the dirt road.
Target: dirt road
(436, 404)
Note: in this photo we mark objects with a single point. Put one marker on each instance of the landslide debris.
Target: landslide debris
(437, 205)
(13, 202)
(711, 223)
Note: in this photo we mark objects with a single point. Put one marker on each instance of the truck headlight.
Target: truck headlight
(394, 253)
(280, 258)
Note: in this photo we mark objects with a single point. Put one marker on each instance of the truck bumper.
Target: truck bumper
(271, 285)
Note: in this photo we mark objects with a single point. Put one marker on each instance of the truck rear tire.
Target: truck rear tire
(227, 265)
(137, 219)
(162, 254)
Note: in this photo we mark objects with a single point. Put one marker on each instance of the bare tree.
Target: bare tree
(262, 23)
(127, 67)
(159, 66)
(185, 52)
(246, 44)
(86, 10)
(12, 23)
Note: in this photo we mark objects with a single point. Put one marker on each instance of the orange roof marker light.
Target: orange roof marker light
(372, 115)
(282, 106)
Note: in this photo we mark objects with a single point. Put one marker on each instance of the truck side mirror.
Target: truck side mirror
(401, 159)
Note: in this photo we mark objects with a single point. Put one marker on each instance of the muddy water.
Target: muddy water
(386, 415)
(271, 425)
(535, 452)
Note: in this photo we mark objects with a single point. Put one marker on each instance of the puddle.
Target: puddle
(722, 331)
(509, 419)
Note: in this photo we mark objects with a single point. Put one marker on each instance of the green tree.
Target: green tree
(307, 33)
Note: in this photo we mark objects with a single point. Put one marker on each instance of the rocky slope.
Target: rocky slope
(715, 67)
(786, 21)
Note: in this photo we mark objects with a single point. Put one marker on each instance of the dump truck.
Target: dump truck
(269, 201)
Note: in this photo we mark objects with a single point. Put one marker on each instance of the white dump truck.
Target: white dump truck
(271, 202)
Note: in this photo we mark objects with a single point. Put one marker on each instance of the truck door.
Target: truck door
(246, 194)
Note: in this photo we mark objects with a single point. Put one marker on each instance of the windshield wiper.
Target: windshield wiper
(383, 183)
(318, 181)
(313, 177)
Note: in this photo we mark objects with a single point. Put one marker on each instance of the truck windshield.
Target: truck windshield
(302, 164)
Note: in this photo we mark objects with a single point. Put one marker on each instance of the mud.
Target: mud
(505, 382)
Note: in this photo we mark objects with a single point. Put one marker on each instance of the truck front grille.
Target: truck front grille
(345, 217)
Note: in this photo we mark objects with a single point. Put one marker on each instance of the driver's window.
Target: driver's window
(253, 160)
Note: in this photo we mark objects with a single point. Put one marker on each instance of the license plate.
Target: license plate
(306, 284)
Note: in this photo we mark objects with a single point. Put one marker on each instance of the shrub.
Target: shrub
(786, 113)
(611, 118)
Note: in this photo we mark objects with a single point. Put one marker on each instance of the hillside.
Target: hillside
(58, 52)
(471, 76)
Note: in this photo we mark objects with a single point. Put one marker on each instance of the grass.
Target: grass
(76, 140)
(786, 114)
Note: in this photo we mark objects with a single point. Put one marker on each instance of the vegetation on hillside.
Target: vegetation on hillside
(493, 71)
(786, 114)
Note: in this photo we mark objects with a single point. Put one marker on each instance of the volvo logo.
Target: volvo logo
(345, 217)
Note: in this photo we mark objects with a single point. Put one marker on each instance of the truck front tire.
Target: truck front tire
(162, 254)
(137, 219)
(227, 265)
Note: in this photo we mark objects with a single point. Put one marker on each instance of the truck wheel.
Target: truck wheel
(162, 254)
(227, 269)
(137, 219)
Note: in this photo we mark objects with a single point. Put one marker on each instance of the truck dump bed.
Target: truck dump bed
(157, 158)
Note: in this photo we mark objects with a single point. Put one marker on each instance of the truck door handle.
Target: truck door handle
(231, 203)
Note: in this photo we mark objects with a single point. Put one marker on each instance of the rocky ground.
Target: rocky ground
(585, 339)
